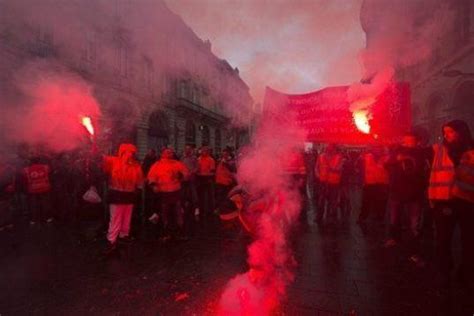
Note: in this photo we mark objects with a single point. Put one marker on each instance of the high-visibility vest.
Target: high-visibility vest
(322, 168)
(294, 164)
(223, 175)
(463, 186)
(442, 175)
(335, 169)
(374, 171)
(37, 178)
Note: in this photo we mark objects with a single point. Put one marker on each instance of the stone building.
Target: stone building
(442, 85)
(157, 82)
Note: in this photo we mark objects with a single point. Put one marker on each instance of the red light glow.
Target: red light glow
(87, 122)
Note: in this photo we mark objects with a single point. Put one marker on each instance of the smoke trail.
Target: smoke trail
(52, 104)
(398, 36)
(260, 290)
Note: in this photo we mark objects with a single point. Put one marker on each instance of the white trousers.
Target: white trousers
(120, 217)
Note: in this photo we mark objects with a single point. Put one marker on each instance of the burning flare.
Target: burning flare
(87, 122)
(361, 120)
(361, 113)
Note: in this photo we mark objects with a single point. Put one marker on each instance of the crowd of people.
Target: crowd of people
(403, 185)
(163, 196)
(410, 186)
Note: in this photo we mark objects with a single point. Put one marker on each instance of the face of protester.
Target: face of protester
(167, 154)
(127, 156)
(450, 135)
(225, 155)
(409, 141)
(188, 150)
(205, 152)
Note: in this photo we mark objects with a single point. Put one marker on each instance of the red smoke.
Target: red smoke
(53, 103)
(261, 172)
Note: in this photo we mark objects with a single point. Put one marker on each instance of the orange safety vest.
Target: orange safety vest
(374, 171)
(330, 168)
(322, 167)
(463, 186)
(206, 166)
(294, 164)
(223, 175)
(442, 175)
(167, 175)
(37, 178)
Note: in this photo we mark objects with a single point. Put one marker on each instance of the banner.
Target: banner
(327, 116)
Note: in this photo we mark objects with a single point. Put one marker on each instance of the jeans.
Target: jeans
(205, 188)
(414, 211)
(374, 201)
(40, 206)
(446, 216)
(171, 212)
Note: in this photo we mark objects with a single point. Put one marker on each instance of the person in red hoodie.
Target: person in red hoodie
(125, 177)
(7, 190)
(225, 176)
(205, 179)
(165, 177)
(38, 187)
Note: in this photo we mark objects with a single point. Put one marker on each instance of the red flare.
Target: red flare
(87, 122)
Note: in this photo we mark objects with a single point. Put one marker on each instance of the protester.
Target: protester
(149, 202)
(7, 190)
(452, 197)
(190, 197)
(406, 167)
(149, 160)
(375, 186)
(36, 177)
(328, 170)
(294, 166)
(125, 178)
(205, 181)
(165, 177)
(225, 176)
(347, 183)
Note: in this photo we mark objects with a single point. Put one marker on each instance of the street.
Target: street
(342, 269)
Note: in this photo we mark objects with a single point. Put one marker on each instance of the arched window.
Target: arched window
(218, 141)
(205, 136)
(190, 133)
(158, 130)
(463, 102)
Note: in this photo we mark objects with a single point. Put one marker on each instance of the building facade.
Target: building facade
(157, 82)
(442, 84)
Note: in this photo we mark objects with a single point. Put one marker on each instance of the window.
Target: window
(205, 135)
(218, 141)
(43, 45)
(122, 58)
(183, 89)
(148, 73)
(190, 133)
(196, 95)
(90, 48)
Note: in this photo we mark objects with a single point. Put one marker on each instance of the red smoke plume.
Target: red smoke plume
(51, 107)
(261, 172)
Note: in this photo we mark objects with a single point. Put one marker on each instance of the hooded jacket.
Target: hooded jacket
(123, 176)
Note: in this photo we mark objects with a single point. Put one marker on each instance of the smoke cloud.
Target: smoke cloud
(103, 49)
(262, 173)
(401, 34)
(49, 109)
